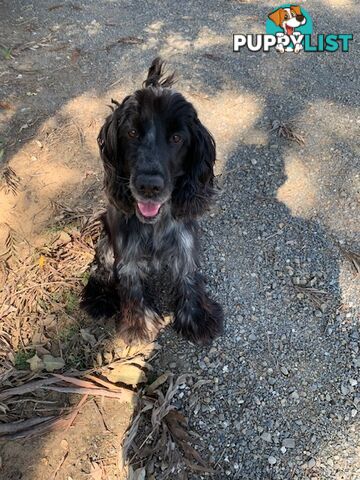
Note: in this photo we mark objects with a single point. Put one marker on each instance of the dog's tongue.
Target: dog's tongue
(289, 30)
(148, 209)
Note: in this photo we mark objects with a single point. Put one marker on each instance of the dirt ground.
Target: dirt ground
(279, 392)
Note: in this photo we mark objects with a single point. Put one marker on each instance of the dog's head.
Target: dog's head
(288, 18)
(156, 153)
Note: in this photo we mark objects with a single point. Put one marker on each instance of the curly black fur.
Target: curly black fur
(158, 161)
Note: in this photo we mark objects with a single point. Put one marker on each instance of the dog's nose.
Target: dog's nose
(149, 185)
(300, 18)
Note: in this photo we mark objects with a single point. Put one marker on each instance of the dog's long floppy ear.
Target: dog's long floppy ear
(194, 189)
(156, 78)
(276, 16)
(296, 9)
(116, 181)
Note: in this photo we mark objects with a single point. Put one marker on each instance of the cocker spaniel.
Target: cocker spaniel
(158, 160)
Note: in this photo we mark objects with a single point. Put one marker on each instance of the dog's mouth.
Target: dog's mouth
(149, 209)
(289, 30)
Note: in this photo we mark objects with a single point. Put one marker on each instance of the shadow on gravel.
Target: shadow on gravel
(280, 397)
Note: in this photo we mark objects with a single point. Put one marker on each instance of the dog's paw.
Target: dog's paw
(134, 335)
(200, 325)
(99, 300)
(280, 48)
(137, 327)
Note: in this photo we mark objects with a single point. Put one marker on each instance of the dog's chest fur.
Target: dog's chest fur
(151, 247)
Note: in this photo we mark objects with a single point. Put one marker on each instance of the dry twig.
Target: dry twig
(10, 181)
(286, 131)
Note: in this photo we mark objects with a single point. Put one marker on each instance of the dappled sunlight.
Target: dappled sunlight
(93, 28)
(319, 113)
(43, 174)
(154, 27)
(231, 118)
(344, 459)
(339, 4)
(207, 38)
(328, 161)
(59, 162)
(176, 42)
(298, 192)
(246, 24)
(98, 428)
(64, 153)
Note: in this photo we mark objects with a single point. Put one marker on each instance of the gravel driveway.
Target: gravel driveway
(281, 399)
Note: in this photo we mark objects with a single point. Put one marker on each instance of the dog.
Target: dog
(158, 163)
(288, 19)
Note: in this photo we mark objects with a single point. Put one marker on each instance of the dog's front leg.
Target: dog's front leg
(137, 321)
(197, 317)
(99, 296)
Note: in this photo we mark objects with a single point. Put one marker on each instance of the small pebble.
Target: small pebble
(288, 443)
(311, 463)
(294, 395)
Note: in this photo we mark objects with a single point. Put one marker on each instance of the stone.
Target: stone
(288, 443)
(311, 463)
(266, 437)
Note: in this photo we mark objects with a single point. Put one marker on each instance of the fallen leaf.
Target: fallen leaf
(144, 350)
(87, 336)
(41, 261)
(35, 363)
(75, 55)
(138, 474)
(129, 374)
(159, 381)
(23, 127)
(64, 444)
(53, 363)
(6, 106)
(96, 471)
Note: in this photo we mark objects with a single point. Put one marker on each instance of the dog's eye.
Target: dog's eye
(176, 139)
(286, 16)
(133, 133)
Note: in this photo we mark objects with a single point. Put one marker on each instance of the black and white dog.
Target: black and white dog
(158, 160)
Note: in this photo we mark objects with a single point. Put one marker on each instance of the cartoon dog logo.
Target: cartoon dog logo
(288, 18)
